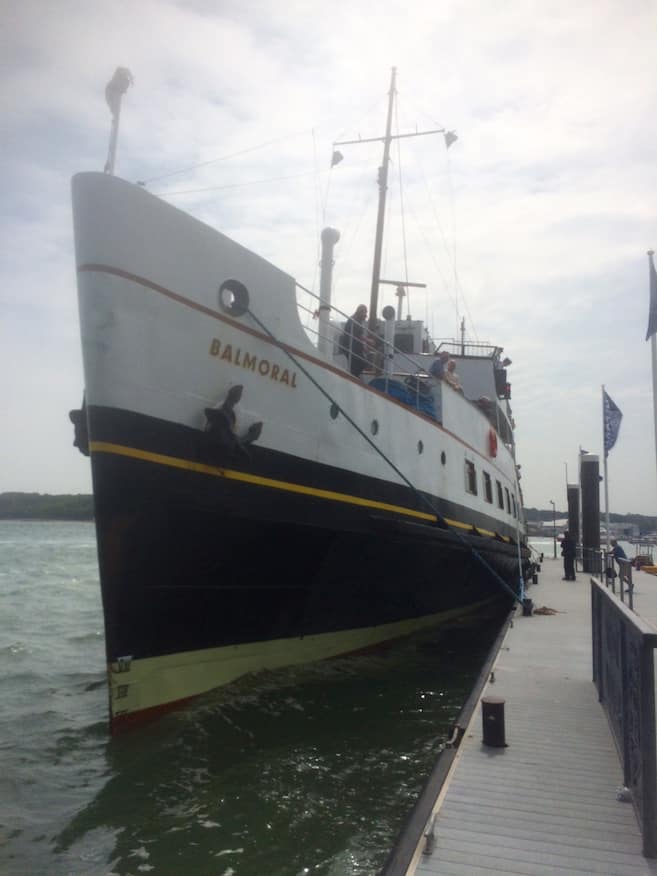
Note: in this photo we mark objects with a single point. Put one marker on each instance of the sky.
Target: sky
(533, 227)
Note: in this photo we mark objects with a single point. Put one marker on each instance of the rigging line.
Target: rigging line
(420, 496)
(433, 207)
(432, 256)
(222, 158)
(457, 286)
(330, 175)
(254, 182)
(403, 217)
(353, 235)
(422, 499)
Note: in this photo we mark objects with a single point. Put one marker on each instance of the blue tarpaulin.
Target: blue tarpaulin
(422, 401)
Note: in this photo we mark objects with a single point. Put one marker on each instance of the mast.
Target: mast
(450, 137)
(380, 218)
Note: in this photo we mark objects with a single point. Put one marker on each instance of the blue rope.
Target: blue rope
(439, 519)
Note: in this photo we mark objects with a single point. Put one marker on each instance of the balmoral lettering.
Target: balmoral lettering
(242, 359)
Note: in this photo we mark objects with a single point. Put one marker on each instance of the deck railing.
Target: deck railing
(623, 673)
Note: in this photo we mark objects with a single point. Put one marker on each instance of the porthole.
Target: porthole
(443, 458)
(334, 411)
(374, 428)
(420, 447)
(233, 297)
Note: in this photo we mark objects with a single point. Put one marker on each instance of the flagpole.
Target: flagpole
(606, 479)
(653, 348)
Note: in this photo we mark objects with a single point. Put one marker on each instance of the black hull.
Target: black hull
(196, 556)
(191, 561)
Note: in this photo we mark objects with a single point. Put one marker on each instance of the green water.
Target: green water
(305, 770)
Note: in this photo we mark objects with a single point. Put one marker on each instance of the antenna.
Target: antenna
(400, 293)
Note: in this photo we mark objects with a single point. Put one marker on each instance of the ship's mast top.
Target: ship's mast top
(450, 137)
(380, 219)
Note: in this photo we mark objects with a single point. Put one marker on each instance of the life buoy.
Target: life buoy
(492, 442)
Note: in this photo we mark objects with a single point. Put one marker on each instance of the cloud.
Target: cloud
(534, 225)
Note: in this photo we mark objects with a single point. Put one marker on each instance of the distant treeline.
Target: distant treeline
(35, 506)
(645, 523)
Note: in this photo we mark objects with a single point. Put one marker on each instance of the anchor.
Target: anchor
(221, 424)
(81, 434)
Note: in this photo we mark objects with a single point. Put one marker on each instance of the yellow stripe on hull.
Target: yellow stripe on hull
(152, 682)
(229, 474)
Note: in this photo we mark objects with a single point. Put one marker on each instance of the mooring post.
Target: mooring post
(492, 717)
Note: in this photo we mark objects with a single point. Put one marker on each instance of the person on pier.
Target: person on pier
(568, 554)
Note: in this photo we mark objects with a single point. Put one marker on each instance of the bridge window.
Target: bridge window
(500, 495)
(470, 477)
(513, 502)
(508, 500)
(488, 487)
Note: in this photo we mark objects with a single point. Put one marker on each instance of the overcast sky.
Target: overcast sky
(534, 226)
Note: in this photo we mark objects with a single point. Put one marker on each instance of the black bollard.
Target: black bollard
(492, 717)
(527, 607)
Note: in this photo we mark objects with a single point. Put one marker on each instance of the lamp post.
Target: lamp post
(554, 528)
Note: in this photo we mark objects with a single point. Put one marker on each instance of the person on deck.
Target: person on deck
(451, 376)
(351, 341)
(568, 554)
(437, 367)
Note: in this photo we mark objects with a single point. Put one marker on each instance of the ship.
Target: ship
(259, 501)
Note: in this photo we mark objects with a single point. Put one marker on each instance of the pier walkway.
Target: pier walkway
(547, 802)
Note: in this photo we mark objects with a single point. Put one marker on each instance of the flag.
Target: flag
(652, 313)
(612, 419)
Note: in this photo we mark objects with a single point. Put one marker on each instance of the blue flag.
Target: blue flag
(612, 419)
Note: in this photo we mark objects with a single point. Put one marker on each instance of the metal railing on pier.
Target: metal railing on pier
(600, 564)
(623, 673)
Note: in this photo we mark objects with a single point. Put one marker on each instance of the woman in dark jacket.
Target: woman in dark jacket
(351, 341)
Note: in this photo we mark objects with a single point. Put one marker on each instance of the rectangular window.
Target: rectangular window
(515, 507)
(488, 487)
(500, 495)
(508, 500)
(470, 477)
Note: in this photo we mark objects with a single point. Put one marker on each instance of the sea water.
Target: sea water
(308, 770)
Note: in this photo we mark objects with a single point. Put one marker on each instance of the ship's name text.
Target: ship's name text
(243, 359)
